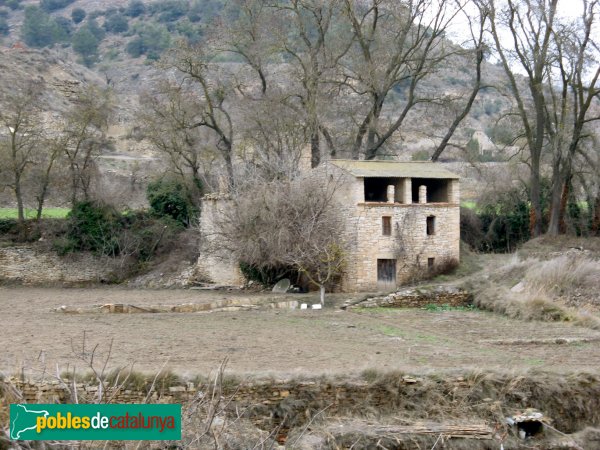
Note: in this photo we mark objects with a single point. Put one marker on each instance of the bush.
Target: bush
(116, 23)
(4, 28)
(93, 227)
(65, 25)
(170, 198)
(267, 276)
(54, 5)
(99, 228)
(152, 40)
(12, 4)
(93, 26)
(77, 15)
(40, 29)
(135, 8)
(86, 44)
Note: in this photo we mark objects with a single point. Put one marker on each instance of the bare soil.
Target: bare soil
(279, 342)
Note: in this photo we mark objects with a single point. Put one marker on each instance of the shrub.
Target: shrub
(77, 15)
(96, 30)
(94, 226)
(135, 236)
(53, 5)
(86, 44)
(152, 40)
(135, 8)
(40, 29)
(4, 28)
(420, 155)
(116, 23)
(171, 199)
(12, 4)
(65, 25)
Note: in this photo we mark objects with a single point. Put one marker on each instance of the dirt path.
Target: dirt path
(278, 341)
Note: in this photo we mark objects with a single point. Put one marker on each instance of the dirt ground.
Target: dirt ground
(278, 342)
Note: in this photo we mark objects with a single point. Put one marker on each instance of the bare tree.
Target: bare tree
(168, 120)
(84, 128)
(44, 169)
(19, 118)
(398, 46)
(292, 224)
(553, 100)
(572, 86)
(212, 92)
(315, 47)
(530, 24)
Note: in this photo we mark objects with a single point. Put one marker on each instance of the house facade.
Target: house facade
(400, 220)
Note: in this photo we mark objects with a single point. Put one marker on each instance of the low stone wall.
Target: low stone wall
(418, 297)
(29, 265)
(271, 402)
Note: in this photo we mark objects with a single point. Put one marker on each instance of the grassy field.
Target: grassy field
(48, 213)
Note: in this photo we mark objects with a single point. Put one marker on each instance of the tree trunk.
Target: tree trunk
(322, 291)
(555, 202)
(596, 218)
(535, 225)
(19, 196)
(315, 148)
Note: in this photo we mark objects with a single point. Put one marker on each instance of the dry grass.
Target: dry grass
(564, 274)
(214, 419)
(557, 289)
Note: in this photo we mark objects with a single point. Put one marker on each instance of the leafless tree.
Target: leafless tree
(553, 102)
(50, 152)
(20, 122)
(84, 127)
(315, 46)
(168, 119)
(398, 46)
(285, 223)
(213, 92)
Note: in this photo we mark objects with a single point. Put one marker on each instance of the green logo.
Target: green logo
(95, 422)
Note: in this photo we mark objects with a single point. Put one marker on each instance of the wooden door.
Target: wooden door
(386, 274)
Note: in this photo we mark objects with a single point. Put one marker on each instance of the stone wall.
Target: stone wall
(417, 298)
(409, 244)
(30, 265)
(215, 263)
(267, 402)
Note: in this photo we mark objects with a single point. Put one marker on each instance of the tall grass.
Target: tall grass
(564, 274)
(544, 289)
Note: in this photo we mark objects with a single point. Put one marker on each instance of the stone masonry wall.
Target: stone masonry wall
(214, 262)
(409, 242)
(29, 265)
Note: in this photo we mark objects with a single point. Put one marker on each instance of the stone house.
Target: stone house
(400, 219)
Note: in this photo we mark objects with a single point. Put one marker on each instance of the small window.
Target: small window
(430, 263)
(386, 225)
(430, 225)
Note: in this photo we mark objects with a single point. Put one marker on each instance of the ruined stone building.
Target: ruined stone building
(400, 219)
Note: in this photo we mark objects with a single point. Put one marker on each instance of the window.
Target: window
(430, 225)
(386, 225)
(430, 263)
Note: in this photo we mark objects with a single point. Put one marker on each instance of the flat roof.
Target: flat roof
(393, 169)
